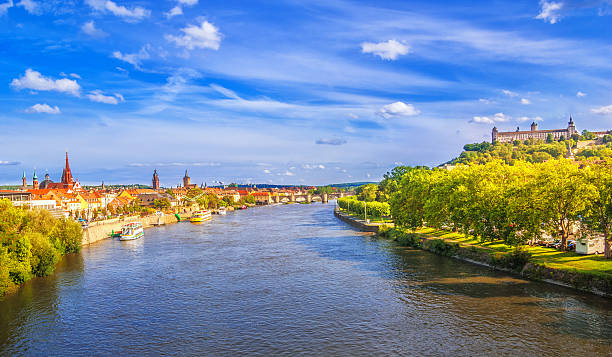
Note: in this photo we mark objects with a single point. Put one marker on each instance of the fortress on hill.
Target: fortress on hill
(534, 133)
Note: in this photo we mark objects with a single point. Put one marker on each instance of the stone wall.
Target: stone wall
(100, 230)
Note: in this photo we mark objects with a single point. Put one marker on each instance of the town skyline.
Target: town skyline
(287, 93)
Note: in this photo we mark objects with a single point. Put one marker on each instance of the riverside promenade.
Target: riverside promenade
(97, 231)
(360, 224)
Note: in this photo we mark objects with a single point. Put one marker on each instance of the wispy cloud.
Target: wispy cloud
(9, 163)
(580, 94)
(331, 141)
(602, 110)
(5, 6)
(90, 29)
(133, 14)
(497, 118)
(30, 6)
(134, 59)
(98, 96)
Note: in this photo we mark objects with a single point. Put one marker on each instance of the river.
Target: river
(290, 280)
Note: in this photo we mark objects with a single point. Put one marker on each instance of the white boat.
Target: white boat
(132, 231)
(200, 216)
(222, 210)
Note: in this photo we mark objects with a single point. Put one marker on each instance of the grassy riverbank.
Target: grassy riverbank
(547, 257)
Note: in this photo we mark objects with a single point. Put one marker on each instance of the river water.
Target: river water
(290, 280)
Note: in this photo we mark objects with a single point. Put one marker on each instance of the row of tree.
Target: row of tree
(515, 203)
(363, 208)
(31, 242)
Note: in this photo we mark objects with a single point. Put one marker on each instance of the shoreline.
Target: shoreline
(575, 280)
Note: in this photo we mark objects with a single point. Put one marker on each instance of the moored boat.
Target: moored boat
(222, 210)
(200, 216)
(131, 231)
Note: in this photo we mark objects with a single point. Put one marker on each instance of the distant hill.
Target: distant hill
(534, 150)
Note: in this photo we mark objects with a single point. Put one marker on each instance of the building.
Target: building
(187, 181)
(155, 180)
(534, 133)
(35, 181)
(68, 181)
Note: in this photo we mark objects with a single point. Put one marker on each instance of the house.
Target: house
(262, 198)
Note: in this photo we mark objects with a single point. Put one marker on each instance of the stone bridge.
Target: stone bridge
(307, 197)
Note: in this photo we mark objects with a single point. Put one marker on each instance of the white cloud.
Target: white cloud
(266, 171)
(90, 29)
(550, 11)
(580, 94)
(204, 36)
(36, 81)
(524, 119)
(288, 173)
(525, 101)
(485, 101)
(98, 96)
(188, 2)
(175, 11)
(509, 93)
(134, 14)
(30, 6)
(9, 162)
(134, 59)
(482, 120)
(43, 108)
(398, 109)
(602, 110)
(389, 50)
(5, 6)
(497, 118)
(74, 75)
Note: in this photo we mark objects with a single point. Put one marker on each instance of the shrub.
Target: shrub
(440, 247)
(408, 239)
(514, 260)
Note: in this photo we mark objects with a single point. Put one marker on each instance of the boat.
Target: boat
(222, 210)
(200, 216)
(131, 231)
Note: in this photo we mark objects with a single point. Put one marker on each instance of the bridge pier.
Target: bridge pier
(292, 198)
(324, 198)
(275, 198)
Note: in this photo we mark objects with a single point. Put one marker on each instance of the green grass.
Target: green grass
(549, 257)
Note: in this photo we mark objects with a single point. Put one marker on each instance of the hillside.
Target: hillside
(583, 147)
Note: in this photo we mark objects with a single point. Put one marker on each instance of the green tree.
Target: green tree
(599, 214)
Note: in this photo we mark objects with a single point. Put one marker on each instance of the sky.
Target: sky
(287, 92)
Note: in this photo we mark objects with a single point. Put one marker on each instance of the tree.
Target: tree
(566, 195)
(367, 192)
(550, 138)
(599, 214)
(163, 203)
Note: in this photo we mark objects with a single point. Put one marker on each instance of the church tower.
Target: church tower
(67, 179)
(35, 181)
(186, 180)
(24, 181)
(155, 180)
(534, 126)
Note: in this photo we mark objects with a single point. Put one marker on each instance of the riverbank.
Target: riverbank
(584, 273)
(361, 224)
(100, 230)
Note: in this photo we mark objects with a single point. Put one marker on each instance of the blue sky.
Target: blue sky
(290, 92)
